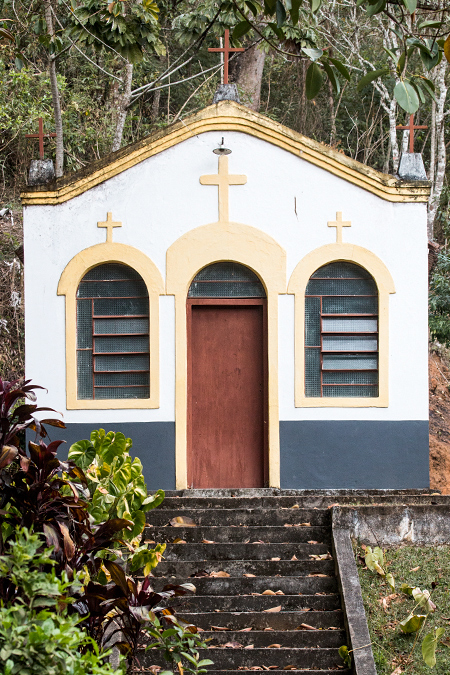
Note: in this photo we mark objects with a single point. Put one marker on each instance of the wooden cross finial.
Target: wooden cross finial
(339, 224)
(41, 137)
(410, 127)
(223, 180)
(109, 224)
(226, 50)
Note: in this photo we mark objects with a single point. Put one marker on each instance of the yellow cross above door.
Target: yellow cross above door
(223, 180)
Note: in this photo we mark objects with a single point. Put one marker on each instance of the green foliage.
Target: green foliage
(439, 300)
(37, 635)
(116, 483)
(179, 645)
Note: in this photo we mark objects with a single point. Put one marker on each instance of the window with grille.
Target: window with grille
(113, 356)
(226, 280)
(341, 332)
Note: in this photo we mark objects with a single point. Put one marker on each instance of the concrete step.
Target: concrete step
(259, 603)
(247, 585)
(289, 621)
(238, 551)
(242, 517)
(237, 568)
(222, 534)
(225, 659)
(299, 638)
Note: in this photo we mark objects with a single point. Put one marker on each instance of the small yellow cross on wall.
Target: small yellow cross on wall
(109, 224)
(339, 224)
(223, 180)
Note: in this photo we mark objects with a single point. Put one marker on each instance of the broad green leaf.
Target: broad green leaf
(280, 13)
(189, 658)
(345, 655)
(376, 8)
(429, 24)
(153, 501)
(411, 5)
(390, 53)
(412, 623)
(205, 662)
(406, 97)
(295, 8)
(430, 59)
(423, 599)
(314, 80)
(341, 68)
(82, 453)
(391, 581)
(429, 87)
(401, 64)
(269, 7)
(4, 33)
(312, 53)
(251, 7)
(407, 589)
(241, 29)
(315, 5)
(139, 523)
(278, 32)
(370, 77)
(429, 644)
(332, 77)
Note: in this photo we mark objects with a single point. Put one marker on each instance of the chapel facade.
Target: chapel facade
(248, 305)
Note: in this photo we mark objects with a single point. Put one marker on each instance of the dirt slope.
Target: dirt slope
(439, 374)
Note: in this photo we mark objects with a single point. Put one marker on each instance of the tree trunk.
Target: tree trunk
(332, 115)
(393, 135)
(59, 166)
(248, 74)
(122, 109)
(439, 169)
(155, 104)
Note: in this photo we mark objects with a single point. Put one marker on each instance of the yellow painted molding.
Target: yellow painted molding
(230, 116)
(297, 286)
(68, 285)
(189, 254)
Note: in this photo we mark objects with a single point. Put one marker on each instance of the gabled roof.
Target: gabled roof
(228, 116)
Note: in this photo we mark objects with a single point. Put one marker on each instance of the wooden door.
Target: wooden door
(227, 421)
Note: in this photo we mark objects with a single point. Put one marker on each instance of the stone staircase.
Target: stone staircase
(275, 604)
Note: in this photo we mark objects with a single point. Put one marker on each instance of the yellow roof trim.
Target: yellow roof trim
(230, 116)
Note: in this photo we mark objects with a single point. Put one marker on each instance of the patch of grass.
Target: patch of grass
(391, 647)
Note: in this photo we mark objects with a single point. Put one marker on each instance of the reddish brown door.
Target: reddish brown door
(226, 393)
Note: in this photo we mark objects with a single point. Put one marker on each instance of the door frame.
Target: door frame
(230, 302)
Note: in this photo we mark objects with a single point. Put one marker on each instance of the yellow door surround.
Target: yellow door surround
(68, 285)
(297, 286)
(225, 241)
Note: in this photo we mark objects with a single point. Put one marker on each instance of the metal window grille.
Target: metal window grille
(113, 357)
(226, 280)
(341, 332)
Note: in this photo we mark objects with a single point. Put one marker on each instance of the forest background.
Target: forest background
(103, 74)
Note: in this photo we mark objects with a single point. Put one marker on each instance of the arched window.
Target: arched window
(341, 332)
(226, 280)
(112, 334)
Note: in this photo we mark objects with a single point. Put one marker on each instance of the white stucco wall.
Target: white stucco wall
(161, 198)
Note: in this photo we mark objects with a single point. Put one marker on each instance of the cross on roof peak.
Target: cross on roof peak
(226, 50)
(41, 137)
(410, 127)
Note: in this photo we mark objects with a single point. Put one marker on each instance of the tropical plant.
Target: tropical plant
(439, 300)
(179, 646)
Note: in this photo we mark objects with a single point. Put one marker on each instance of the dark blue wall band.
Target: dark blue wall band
(153, 443)
(354, 454)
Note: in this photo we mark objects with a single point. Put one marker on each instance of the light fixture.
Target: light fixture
(222, 150)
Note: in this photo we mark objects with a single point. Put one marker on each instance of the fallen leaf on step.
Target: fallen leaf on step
(200, 573)
(333, 628)
(249, 575)
(323, 556)
(288, 525)
(415, 569)
(182, 521)
(254, 668)
(273, 609)
(260, 541)
(269, 628)
(331, 505)
(317, 575)
(274, 646)
(268, 592)
(296, 506)
(178, 541)
(207, 541)
(151, 541)
(311, 541)
(200, 630)
(245, 630)
(290, 668)
(249, 647)
(217, 610)
(219, 628)
(306, 626)
(294, 557)
(279, 593)
(275, 559)
(304, 525)
(273, 667)
(232, 645)
(154, 669)
(219, 574)
(256, 593)
(307, 609)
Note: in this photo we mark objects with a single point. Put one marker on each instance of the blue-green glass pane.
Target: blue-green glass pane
(312, 372)
(312, 322)
(349, 343)
(337, 391)
(84, 374)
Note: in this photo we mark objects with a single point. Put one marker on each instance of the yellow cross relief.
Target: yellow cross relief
(109, 224)
(223, 180)
(339, 224)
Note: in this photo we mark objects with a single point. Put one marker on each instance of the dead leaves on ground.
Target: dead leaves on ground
(273, 609)
(386, 601)
(221, 573)
(182, 521)
(323, 556)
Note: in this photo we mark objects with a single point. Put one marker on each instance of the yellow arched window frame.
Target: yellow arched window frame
(73, 273)
(330, 253)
